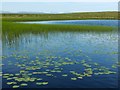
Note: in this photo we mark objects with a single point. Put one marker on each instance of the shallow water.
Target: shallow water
(61, 59)
(78, 22)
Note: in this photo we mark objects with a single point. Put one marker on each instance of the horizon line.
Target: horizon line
(25, 12)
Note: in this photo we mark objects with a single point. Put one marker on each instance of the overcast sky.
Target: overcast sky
(59, 7)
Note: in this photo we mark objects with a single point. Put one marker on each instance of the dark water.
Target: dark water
(79, 22)
(60, 60)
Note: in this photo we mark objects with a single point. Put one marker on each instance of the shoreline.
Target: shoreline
(8, 21)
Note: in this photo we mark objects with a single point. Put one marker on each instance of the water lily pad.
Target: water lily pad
(64, 75)
(73, 78)
(24, 84)
(15, 86)
(10, 83)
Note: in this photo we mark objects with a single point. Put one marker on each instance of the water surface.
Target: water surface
(79, 22)
(60, 59)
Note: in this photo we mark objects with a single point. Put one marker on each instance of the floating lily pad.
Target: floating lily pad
(73, 78)
(15, 86)
(24, 84)
(64, 75)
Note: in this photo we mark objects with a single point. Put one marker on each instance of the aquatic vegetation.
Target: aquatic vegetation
(22, 71)
(80, 77)
(114, 66)
(45, 83)
(114, 52)
(24, 84)
(64, 75)
(49, 75)
(39, 83)
(96, 64)
(3, 57)
(25, 79)
(73, 78)
(9, 83)
(28, 69)
(17, 74)
(5, 76)
(39, 79)
(15, 27)
(15, 86)
(48, 62)
(9, 78)
(42, 83)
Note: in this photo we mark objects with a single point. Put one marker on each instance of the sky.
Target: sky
(59, 7)
(60, 0)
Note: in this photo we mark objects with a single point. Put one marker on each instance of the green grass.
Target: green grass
(14, 30)
(68, 16)
(19, 27)
(9, 25)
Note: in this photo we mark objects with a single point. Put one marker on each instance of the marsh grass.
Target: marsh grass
(9, 26)
(13, 29)
(19, 27)
(67, 16)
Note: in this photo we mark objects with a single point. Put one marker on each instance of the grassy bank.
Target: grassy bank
(12, 30)
(19, 27)
(68, 16)
(9, 20)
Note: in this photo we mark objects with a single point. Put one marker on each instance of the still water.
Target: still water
(60, 59)
(79, 22)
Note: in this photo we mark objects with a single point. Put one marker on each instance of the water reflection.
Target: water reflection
(84, 39)
(79, 22)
